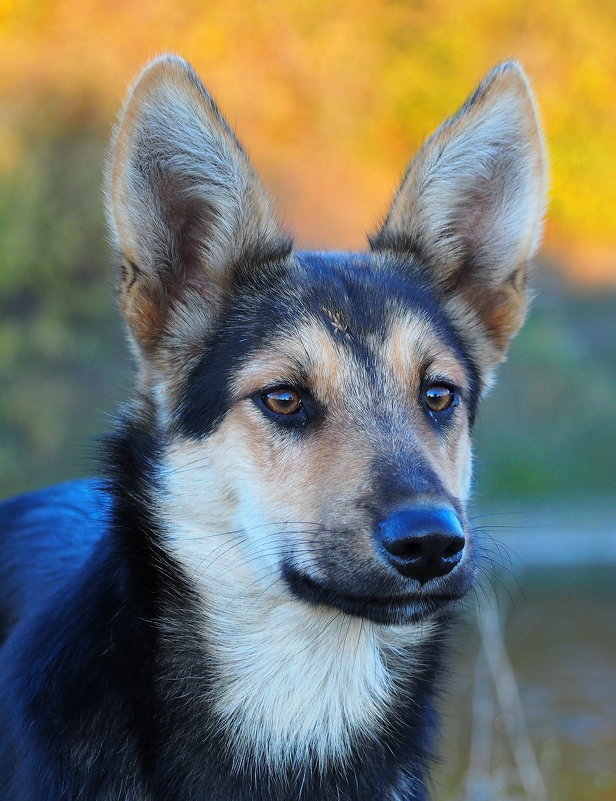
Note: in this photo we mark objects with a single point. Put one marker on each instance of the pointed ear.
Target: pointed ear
(471, 204)
(185, 207)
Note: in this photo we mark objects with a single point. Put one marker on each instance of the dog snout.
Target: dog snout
(422, 542)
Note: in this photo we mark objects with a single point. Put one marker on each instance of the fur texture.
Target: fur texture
(252, 605)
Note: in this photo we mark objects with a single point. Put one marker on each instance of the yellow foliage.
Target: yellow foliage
(332, 98)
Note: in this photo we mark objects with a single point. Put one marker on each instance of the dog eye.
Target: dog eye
(439, 398)
(282, 400)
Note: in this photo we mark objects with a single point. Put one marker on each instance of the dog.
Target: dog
(251, 603)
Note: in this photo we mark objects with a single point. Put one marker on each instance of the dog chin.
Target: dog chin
(397, 609)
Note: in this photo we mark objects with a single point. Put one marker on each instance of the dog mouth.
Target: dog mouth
(395, 609)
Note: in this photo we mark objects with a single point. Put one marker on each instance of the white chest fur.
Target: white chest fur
(293, 682)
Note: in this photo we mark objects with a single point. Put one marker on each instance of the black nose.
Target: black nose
(422, 542)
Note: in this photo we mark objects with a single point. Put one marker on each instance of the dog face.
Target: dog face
(316, 408)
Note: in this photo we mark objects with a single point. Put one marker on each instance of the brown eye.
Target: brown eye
(282, 400)
(439, 397)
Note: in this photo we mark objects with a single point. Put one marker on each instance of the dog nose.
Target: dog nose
(422, 542)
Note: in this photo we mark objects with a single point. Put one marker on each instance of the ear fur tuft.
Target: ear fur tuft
(471, 204)
(185, 207)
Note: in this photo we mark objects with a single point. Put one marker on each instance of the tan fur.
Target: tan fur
(411, 345)
(295, 679)
(242, 500)
(346, 445)
(308, 345)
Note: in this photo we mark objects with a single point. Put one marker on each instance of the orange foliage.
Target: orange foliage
(332, 98)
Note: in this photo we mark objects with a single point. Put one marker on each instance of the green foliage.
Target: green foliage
(61, 353)
(549, 428)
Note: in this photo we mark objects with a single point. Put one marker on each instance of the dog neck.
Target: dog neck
(255, 688)
(292, 683)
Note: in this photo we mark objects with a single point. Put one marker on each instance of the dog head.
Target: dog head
(316, 408)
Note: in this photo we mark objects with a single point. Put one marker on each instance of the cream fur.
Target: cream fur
(293, 681)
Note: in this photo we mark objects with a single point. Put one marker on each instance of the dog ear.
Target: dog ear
(471, 204)
(185, 207)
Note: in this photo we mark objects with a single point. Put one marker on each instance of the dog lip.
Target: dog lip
(403, 607)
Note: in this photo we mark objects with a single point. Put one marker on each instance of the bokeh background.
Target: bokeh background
(331, 99)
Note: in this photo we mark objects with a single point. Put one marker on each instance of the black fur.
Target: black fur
(109, 677)
(361, 287)
(97, 705)
(103, 684)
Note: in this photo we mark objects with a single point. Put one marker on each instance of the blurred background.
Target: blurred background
(331, 99)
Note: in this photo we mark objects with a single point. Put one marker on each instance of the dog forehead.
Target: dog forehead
(358, 290)
(355, 295)
(362, 299)
(330, 319)
(324, 352)
(345, 318)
